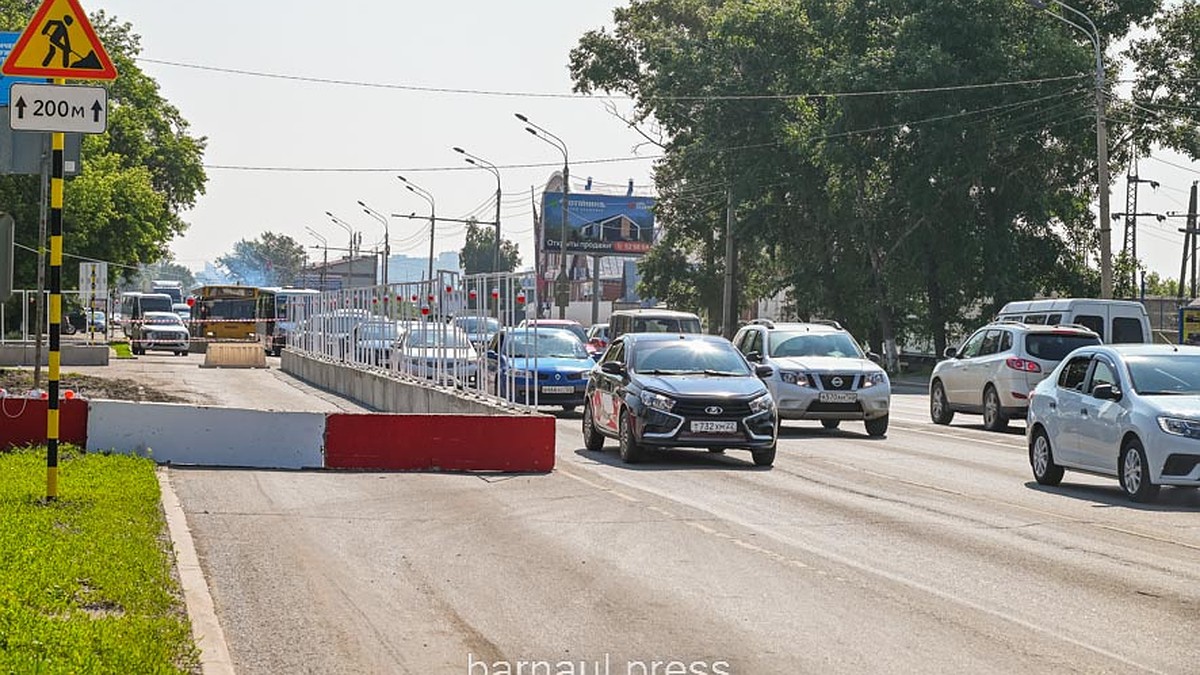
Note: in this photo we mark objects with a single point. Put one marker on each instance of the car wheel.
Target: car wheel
(993, 418)
(877, 427)
(1135, 473)
(1041, 459)
(630, 452)
(939, 407)
(830, 424)
(593, 440)
(763, 457)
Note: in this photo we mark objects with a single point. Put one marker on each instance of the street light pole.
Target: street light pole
(484, 164)
(346, 226)
(1106, 280)
(561, 146)
(427, 196)
(387, 248)
(325, 255)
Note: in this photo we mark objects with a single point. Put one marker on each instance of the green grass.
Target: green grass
(85, 581)
(121, 349)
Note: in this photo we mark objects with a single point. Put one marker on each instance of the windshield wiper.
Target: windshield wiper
(1164, 393)
(659, 371)
(721, 373)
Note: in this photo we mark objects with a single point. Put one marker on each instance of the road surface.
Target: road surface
(928, 551)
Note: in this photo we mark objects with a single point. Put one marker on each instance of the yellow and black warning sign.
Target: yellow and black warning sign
(60, 42)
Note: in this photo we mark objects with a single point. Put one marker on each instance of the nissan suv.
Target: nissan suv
(818, 373)
(996, 368)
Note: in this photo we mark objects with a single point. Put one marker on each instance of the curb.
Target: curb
(206, 630)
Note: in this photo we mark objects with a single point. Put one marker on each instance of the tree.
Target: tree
(271, 260)
(478, 253)
(135, 179)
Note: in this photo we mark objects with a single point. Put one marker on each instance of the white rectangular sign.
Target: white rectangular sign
(58, 107)
(93, 284)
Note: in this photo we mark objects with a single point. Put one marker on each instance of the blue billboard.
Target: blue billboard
(598, 224)
(7, 41)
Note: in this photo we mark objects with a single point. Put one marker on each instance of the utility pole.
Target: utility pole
(1131, 215)
(561, 146)
(1189, 244)
(727, 304)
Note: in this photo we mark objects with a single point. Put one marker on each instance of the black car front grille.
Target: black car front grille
(818, 407)
(563, 377)
(845, 382)
(699, 409)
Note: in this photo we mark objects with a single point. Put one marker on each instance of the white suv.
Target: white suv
(820, 373)
(995, 369)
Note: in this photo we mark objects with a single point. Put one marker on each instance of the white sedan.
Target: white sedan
(1127, 411)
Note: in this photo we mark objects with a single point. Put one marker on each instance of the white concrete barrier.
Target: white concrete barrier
(206, 435)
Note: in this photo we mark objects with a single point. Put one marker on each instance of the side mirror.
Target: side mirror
(951, 352)
(491, 354)
(754, 357)
(764, 372)
(875, 358)
(1106, 392)
(595, 356)
(613, 368)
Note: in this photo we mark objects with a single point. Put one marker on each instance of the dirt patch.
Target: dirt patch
(18, 382)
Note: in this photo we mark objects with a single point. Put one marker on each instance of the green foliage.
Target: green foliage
(478, 254)
(1167, 85)
(124, 205)
(85, 582)
(896, 213)
(271, 260)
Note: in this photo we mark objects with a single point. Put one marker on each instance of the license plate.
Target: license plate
(714, 427)
(556, 389)
(838, 397)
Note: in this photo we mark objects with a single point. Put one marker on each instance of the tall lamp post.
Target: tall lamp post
(561, 146)
(325, 256)
(427, 196)
(350, 230)
(484, 164)
(387, 247)
(1106, 278)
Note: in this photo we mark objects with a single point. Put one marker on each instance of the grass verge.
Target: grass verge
(86, 581)
(121, 349)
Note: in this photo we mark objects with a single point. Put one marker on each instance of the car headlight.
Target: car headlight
(794, 377)
(872, 379)
(1177, 426)
(657, 401)
(762, 404)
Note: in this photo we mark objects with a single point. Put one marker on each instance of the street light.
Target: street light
(1106, 280)
(325, 255)
(484, 164)
(346, 226)
(558, 143)
(427, 196)
(387, 248)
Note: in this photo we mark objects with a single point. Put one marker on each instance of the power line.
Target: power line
(592, 97)
(1177, 166)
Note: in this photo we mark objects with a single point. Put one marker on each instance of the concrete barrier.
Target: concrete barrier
(208, 436)
(22, 354)
(387, 393)
(23, 421)
(439, 442)
(235, 355)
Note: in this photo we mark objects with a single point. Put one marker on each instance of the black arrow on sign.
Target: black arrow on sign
(21, 108)
(96, 109)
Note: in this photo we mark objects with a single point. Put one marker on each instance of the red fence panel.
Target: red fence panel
(23, 421)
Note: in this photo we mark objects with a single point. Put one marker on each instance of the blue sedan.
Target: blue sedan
(539, 366)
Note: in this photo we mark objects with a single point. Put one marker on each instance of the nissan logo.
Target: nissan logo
(837, 381)
(714, 410)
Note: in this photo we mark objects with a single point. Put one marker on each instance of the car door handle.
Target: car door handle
(1083, 411)
(1052, 405)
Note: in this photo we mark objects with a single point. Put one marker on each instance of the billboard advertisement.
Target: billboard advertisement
(598, 224)
(1189, 325)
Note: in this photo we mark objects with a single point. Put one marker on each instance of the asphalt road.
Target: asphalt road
(929, 551)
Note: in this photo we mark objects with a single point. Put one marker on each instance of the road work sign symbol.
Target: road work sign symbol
(60, 42)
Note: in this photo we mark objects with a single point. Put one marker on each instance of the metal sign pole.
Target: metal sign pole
(57, 141)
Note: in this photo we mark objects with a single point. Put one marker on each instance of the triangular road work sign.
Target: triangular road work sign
(60, 42)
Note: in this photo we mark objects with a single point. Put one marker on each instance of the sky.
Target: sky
(516, 47)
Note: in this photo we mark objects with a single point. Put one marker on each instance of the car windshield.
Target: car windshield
(378, 331)
(1164, 374)
(575, 329)
(547, 344)
(666, 325)
(813, 344)
(477, 324)
(1056, 346)
(686, 357)
(437, 335)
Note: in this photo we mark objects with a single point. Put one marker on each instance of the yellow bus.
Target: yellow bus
(224, 313)
(275, 314)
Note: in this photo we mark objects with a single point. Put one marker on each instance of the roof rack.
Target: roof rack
(1074, 325)
(763, 322)
(827, 322)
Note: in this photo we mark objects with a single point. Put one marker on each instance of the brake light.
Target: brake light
(1023, 365)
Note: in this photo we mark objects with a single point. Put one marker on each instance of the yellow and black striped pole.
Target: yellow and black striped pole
(57, 142)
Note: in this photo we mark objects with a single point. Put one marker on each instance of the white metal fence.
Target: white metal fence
(20, 328)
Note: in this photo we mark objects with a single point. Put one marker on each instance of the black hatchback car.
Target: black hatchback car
(671, 390)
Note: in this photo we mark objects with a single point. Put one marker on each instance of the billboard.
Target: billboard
(1189, 325)
(598, 224)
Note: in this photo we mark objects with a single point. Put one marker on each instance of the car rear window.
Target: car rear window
(1127, 329)
(1055, 346)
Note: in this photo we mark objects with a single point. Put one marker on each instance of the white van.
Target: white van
(1115, 321)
